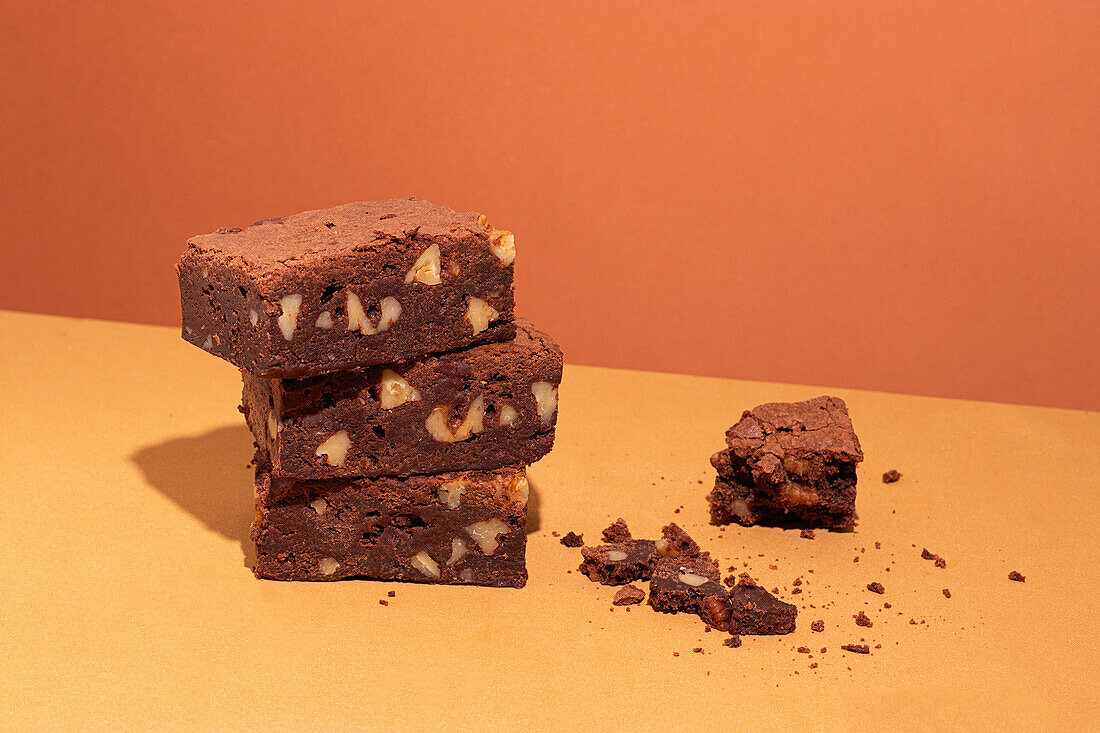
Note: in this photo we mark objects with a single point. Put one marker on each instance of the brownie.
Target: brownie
(748, 609)
(625, 559)
(356, 285)
(628, 595)
(680, 584)
(788, 464)
(461, 527)
(480, 408)
(619, 562)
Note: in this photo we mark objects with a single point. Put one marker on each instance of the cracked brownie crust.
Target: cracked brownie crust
(788, 463)
(477, 409)
(356, 285)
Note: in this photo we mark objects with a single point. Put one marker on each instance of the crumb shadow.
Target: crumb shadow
(209, 476)
(534, 502)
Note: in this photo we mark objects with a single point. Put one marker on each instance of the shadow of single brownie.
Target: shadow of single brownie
(788, 463)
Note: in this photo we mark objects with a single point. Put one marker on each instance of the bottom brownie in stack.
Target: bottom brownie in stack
(463, 527)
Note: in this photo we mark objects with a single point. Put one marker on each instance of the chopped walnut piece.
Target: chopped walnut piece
(503, 245)
(335, 449)
(486, 534)
(394, 391)
(319, 505)
(327, 566)
(546, 400)
(472, 424)
(423, 562)
(426, 268)
(450, 494)
(324, 320)
(508, 415)
(390, 309)
(291, 306)
(480, 314)
(458, 550)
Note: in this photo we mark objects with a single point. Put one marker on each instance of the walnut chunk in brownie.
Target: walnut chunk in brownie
(790, 464)
(681, 584)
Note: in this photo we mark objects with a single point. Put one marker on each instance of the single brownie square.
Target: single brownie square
(463, 527)
(680, 584)
(789, 463)
(480, 408)
(360, 284)
(748, 609)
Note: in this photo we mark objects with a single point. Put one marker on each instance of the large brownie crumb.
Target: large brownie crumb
(863, 620)
(733, 642)
(890, 476)
(629, 595)
(1017, 576)
(857, 648)
(946, 593)
(876, 588)
(572, 539)
(817, 626)
(617, 532)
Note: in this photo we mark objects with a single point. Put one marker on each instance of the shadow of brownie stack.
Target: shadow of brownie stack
(394, 399)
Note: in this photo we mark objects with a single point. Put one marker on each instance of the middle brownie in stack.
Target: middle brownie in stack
(394, 399)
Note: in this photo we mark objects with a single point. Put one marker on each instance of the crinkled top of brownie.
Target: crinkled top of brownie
(359, 226)
(775, 431)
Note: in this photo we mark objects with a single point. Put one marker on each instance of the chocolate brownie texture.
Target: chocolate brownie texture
(628, 595)
(480, 408)
(572, 539)
(625, 559)
(788, 464)
(749, 609)
(361, 284)
(681, 584)
(461, 527)
(619, 562)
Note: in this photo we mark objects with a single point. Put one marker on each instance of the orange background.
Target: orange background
(880, 195)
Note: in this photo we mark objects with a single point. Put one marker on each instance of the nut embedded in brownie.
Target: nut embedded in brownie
(788, 463)
(681, 584)
(749, 609)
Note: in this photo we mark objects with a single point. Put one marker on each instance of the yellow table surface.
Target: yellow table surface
(126, 600)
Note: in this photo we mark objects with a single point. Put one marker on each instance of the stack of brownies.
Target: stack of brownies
(394, 399)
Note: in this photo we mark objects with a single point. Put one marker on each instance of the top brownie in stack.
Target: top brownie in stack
(348, 287)
(789, 463)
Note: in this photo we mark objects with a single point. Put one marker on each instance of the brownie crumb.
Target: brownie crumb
(938, 561)
(803, 650)
(862, 620)
(392, 594)
(946, 593)
(857, 648)
(887, 605)
(806, 534)
(572, 539)
(628, 595)
(876, 588)
(745, 580)
(796, 581)
(813, 665)
(617, 532)
(1017, 576)
(818, 626)
(733, 642)
(796, 591)
(698, 650)
(383, 602)
(890, 476)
